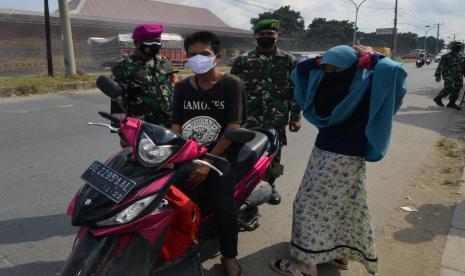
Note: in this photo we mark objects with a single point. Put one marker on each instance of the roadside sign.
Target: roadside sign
(384, 31)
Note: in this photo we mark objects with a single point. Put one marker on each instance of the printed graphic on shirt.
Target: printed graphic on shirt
(203, 129)
(203, 105)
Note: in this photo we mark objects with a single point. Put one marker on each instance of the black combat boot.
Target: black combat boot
(453, 105)
(438, 101)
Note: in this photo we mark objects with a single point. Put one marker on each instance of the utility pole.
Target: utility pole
(67, 38)
(427, 28)
(437, 37)
(394, 32)
(48, 41)
(357, 8)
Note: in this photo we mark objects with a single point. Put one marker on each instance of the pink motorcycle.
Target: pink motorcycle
(122, 209)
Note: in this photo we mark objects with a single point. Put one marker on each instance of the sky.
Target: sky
(414, 15)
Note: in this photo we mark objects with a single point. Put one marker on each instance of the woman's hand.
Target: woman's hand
(361, 49)
(294, 126)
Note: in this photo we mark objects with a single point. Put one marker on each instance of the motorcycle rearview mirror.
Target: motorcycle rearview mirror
(109, 87)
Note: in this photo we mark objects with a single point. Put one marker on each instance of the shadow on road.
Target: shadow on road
(253, 264)
(425, 91)
(432, 119)
(33, 269)
(35, 229)
(258, 262)
(431, 108)
(430, 221)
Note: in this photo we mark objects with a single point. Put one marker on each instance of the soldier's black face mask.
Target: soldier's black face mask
(150, 49)
(266, 41)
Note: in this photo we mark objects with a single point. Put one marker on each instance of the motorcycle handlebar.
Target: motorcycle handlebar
(110, 117)
(216, 158)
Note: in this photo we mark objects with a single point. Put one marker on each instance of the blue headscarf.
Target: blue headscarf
(388, 85)
(340, 56)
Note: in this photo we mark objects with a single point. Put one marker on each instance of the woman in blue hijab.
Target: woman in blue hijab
(351, 95)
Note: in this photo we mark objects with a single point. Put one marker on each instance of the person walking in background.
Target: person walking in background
(452, 70)
(265, 72)
(351, 95)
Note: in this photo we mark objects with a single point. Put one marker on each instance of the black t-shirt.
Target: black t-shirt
(205, 114)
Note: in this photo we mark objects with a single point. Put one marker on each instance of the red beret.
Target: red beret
(144, 32)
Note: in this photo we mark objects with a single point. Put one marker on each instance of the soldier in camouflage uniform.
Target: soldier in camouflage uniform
(265, 72)
(146, 78)
(452, 69)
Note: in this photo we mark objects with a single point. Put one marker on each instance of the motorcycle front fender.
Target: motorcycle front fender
(113, 255)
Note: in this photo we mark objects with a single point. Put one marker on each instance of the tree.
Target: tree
(323, 34)
(292, 24)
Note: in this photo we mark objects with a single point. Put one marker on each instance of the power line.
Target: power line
(250, 4)
(378, 8)
(239, 7)
(418, 18)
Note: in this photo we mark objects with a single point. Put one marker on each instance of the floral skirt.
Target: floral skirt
(331, 218)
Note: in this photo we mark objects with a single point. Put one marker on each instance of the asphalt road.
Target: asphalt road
(45, 145)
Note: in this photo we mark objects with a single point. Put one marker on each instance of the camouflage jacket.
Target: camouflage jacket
(451, 67)
(268, 88)
(148, 88)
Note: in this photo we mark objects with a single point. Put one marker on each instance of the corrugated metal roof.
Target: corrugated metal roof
(147, 11)
(78, 20)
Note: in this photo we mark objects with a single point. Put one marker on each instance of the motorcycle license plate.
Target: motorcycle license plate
(108, 182)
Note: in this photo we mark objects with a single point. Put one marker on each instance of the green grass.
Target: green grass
(452, 153)
(453, 183)
(446, 170)
(43, 80)
(445, 143)
(39, 84)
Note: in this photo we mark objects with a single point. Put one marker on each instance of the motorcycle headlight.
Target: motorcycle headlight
(131, 212)
(150, 154)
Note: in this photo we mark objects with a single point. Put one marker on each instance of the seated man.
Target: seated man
(204, 106)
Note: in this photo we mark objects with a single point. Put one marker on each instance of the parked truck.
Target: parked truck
(106, 52)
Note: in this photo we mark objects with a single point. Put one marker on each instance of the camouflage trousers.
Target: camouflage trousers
(452, 89)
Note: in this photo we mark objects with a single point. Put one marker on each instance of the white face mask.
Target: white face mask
(201, 64)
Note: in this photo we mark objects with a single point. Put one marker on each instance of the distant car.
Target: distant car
(414, 54)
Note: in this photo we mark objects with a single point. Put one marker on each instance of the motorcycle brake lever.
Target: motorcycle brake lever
(114, 129)
(201, 162)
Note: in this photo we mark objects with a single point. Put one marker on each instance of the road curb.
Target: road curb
(453, 256)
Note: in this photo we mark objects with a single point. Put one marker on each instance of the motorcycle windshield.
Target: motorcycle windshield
(162, 136)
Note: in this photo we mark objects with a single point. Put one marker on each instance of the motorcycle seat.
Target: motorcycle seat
(250, 152)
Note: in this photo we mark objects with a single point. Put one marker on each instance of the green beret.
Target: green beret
(267, 24)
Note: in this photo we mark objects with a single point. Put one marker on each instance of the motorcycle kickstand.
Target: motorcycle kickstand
(199, 265)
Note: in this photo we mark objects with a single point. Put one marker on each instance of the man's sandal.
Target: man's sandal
(287, 267)
(239, 273)
(339, 264)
